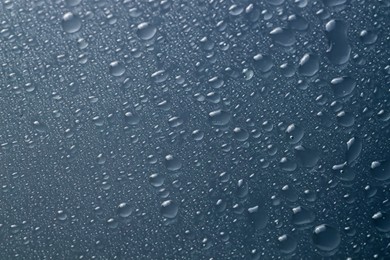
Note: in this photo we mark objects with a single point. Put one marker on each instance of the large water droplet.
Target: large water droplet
(297, 23)
(219, 117)
(339, 50)
(61, 215)
(287, 244)
(169, 209)
(275, 2)
(240, 134)
(40, 126)
(197, 135)
(309, 65)
(342, 86)
(71, 23)
(263, 62)
(117, 69)
(326, 237)
(381, 221)
(172, 163)
(354, 147)
(124, 210)
(258, 217)
(306, 156)
(289, 193)
(302, 216)
(283, 37)
(156, 180)
(345, 119)
(132, 118)
(146, 31)
(333, 3)
(294, 133)
(242, 189)
(380, 170)
(368, 37)
(287, 164)
(72, 2)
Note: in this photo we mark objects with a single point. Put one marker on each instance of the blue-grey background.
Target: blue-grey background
(206, 129)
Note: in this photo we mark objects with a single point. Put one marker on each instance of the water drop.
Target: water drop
(219, 117)
(40, 126)
(302, 216)
(339, 49)
(71, 23)
(289, 193)
(306, 156)
(263, 62)
(235, 10)
(146, 31)
(72, 2)
(169, 209)
(297, 22)
(156, 180)
(368, 37)
(345, 119)
(62, 216)
(309, 65)
(275, 2)
(287, 244)
(258, 217)
(132, 118)
(283, 36)
(172, 163)
(242, 188)
(380, 170)
(326, 237)
(381, 221)
(342, 86)
(124, 210)
(240, 134)
(287, 165)
(117, 69)
(354, 147)
(197, 135)
(294, 133)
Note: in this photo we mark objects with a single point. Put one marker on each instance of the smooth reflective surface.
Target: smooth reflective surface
(194, 129)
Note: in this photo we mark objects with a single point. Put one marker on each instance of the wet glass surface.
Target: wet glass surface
(206, 129)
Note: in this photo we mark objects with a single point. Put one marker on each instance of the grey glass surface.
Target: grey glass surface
(205, 129)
